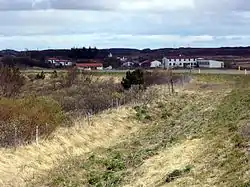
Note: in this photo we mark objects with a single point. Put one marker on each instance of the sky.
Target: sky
(43, 24)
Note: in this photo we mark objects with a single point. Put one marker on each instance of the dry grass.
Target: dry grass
(191, 136)
(17, 167)
(154, 170)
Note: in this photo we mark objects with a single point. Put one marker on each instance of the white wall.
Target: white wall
(216, 64)
(155, 64)
(210, 64)
(180, 62)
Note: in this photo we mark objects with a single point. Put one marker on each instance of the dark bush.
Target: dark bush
(133, 78)
(147, 78)
(40, 75)
(19, 119)
(54, 75)
(11, 81)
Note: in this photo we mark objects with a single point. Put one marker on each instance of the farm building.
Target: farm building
(204, 63)
(181, 62)
(59, 62)
(90, 66)
(155, 64)
(150, 64)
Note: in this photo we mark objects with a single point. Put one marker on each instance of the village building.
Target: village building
(89, 66)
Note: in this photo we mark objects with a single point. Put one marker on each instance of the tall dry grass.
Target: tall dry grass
(19, 167)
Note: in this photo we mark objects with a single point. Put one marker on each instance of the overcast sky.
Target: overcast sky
(45, 24)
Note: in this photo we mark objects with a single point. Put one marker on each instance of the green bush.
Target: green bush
(19, 119)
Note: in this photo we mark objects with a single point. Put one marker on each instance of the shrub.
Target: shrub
(54, 75)
(40, 75)
(19, 119)
(133, 78)
(11, 81)
(147, 78)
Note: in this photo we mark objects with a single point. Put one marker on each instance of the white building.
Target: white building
(155, 64)
(110, 55)
(59, 62)
(181, 62)
(204, 63)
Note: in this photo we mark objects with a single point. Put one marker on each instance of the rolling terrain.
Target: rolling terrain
(198, 136)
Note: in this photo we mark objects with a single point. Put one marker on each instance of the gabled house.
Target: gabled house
(155, 64)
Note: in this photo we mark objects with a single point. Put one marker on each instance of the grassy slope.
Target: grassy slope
(18, 167)
(191, 139)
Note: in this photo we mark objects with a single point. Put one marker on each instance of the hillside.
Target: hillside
(196, 137)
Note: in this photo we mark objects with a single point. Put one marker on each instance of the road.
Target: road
(194, 71)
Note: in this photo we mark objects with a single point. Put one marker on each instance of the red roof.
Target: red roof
(89, 65)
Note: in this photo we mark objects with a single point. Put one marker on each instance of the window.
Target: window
(180, 64)
(174, 64)
(170, 60)
(170, 64)
(184, 59)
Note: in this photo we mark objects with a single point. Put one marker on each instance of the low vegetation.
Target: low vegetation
(11, 81)
(21, 119)
(38, 98)
(196, 134)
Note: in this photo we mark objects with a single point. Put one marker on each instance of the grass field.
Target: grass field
(197, 137)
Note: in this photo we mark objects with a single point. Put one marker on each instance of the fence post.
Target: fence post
(117, 103)
(37, 135)
(199, 71)
(15, 136)
(88, 118)
(245, 71)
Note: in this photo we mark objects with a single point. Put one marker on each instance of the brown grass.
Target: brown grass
(17, 167)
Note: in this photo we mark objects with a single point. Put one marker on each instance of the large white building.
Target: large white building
(184, 62)
(205, 63)
(181, 62)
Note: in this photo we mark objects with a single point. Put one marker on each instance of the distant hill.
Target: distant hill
(222, 51)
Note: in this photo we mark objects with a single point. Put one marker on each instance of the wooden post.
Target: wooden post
(37, 135)
(199, 71)
(112, 103)
(239, 68)
(15, 136)
(172, 85)
(245, 72)
(88, 118)
(117, 102)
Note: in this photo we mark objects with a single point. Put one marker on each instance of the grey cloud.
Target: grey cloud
(223, 5)
(203, 5)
